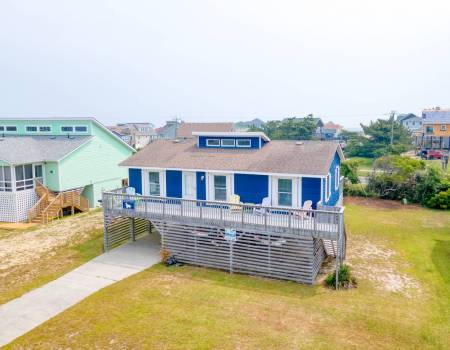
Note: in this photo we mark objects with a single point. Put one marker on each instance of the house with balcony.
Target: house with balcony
(50, 166)
(436, 128)
(137, 135)
(236, 201)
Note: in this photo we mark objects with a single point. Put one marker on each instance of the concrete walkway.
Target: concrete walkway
(21, 315)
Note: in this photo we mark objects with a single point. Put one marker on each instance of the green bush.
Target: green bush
(440, 200)
(346, 280)
(357, 190)
(349, 169)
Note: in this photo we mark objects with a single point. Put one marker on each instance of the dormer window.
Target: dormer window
(81, 128)
(66, 128)
(228, 142)
(243, 143)
(213, 142)
(32, 128)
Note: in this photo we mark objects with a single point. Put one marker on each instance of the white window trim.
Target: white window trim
(45, 126)
(337, 175)
(208, 145)
(443, 127)
(32, 126)
(146, 183)
(232, 146)
(183, 184)
(240, 146)
(274, 191)
(9, 132)
(67, 126)
(81, 132)
(328, 187)
(210, 185)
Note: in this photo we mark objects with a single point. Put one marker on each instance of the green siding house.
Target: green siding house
(64, 154)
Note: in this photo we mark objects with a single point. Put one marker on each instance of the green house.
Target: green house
(61, 155)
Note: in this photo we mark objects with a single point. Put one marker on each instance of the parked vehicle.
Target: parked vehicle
(431, 154)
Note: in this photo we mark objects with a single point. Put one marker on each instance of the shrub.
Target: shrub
(357, 190)
(440, 200)
(346, 280)
(165, 255)
(349, 170)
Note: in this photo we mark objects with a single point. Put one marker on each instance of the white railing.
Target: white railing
(234, 215)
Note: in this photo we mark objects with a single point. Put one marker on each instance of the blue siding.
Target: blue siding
(334, 197)
(202, 141)
(251, 188)
(201, 185)
(135, 179)
(174, 183)
(311, 190)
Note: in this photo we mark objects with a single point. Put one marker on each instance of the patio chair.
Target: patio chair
(306, 210)
(260, 210)
(235, 199)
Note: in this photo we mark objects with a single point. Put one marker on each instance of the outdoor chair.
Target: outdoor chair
(235, 199)
(260, 210)
(306, 212)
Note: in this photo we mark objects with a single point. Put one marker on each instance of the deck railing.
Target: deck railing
(319, 223)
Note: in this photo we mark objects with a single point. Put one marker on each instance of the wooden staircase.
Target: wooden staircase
(50, 205)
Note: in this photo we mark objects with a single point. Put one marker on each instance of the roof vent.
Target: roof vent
(298, 143)
(176, 141)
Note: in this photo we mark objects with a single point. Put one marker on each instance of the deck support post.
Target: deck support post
(132, 230)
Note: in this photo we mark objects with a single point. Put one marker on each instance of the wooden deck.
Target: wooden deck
(324, 224)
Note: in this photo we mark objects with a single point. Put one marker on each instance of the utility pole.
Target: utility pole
(392, 127)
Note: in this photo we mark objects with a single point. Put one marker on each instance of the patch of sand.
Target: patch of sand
(25, 247)
(381, 266)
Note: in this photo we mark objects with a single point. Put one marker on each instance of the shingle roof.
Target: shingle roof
(185, 130)
(30, 149)
(436, 116)
(282, 157)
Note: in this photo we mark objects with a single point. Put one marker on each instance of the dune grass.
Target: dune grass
(401, 257)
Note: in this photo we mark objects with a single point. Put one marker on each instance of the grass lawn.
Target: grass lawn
(32, 257)
(400, 255)
(366, 165)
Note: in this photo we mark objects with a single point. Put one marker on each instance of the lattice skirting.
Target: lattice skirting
(14, 206)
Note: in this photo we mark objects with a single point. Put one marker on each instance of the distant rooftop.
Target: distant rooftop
(185, 130)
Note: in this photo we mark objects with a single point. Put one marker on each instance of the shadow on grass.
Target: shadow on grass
(241, 281)
(441, 259)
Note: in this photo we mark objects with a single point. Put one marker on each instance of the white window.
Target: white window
(154, 183)
(10, 128)
(5, 179)
(2, 128)
(212, 142)
(285, 192)
(24, 177)
(228, 142)
(328, 187)
(66, 128)
(31, 128)
(243, 143)
(337, 175)
(38, 174)
(45, 128)
(220, 188)
(443, 127)
(81, 128)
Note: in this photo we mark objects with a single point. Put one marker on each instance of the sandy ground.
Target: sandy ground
(24, 247)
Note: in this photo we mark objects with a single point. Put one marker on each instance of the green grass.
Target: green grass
(195, 308)
(366, 165)
(52, 264)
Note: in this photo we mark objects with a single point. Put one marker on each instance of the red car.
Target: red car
(431, 154)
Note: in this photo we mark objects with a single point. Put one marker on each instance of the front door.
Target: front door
(189, 185)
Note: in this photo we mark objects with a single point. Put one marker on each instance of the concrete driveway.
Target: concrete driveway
(33, 308)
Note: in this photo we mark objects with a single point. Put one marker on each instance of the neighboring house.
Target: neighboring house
(73, 157)
(331, 131)
(411, 122)
(436, 128)
(168, 131)
(236, 201)
(318, 134)
(137, 135)
(244, 126)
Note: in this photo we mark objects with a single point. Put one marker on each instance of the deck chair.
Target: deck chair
(261, 211)
(307, 210)
(235, 199)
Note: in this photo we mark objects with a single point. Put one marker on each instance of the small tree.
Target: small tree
(349, 170)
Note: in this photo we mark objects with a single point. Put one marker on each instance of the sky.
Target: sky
(349, 61)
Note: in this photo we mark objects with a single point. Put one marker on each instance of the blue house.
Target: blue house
(235, 201)
(215, 166)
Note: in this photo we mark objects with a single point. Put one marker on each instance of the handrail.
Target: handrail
(32, 213)
(324, 223)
